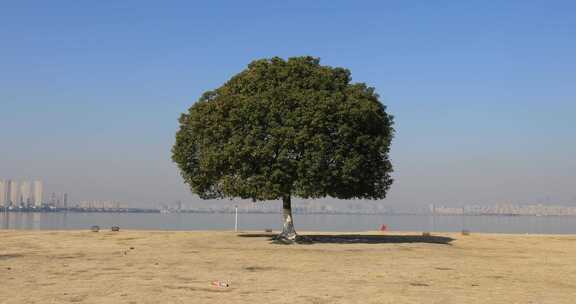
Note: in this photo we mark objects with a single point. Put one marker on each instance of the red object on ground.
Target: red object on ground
(220, 284)
(383, 227)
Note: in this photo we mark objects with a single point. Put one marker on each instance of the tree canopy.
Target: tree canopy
(284, 128)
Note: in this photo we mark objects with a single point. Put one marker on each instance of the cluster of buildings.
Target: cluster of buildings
(24, 193)
(100, 205)
(29, 196)
(505, 209)
(57, 201)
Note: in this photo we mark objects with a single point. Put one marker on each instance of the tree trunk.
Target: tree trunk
(288, 233)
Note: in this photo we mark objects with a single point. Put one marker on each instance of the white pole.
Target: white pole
(236, 219)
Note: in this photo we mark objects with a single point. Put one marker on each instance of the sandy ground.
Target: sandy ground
(178, 267)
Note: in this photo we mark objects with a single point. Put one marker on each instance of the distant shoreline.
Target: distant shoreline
(139, 210)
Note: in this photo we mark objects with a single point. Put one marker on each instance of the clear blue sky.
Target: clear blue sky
(484, 92)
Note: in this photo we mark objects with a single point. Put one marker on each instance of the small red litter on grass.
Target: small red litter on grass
(220, 284)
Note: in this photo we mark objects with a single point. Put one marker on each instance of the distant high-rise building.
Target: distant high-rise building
(3, 193)
(26, 193)
(38, 191)
(14, 193)
(7, 193)
(53, 201)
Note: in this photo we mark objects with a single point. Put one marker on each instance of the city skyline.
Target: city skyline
(30, 193)
(27, 195)
(23, 192)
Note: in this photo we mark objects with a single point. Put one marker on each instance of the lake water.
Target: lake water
(303, 222)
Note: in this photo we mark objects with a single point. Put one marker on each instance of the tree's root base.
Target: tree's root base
(290, 240)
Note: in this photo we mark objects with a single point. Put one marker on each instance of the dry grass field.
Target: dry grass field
(178, 267)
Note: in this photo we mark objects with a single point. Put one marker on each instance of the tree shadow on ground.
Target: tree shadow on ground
(358, 238)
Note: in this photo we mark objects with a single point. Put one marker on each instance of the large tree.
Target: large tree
(284, 128)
